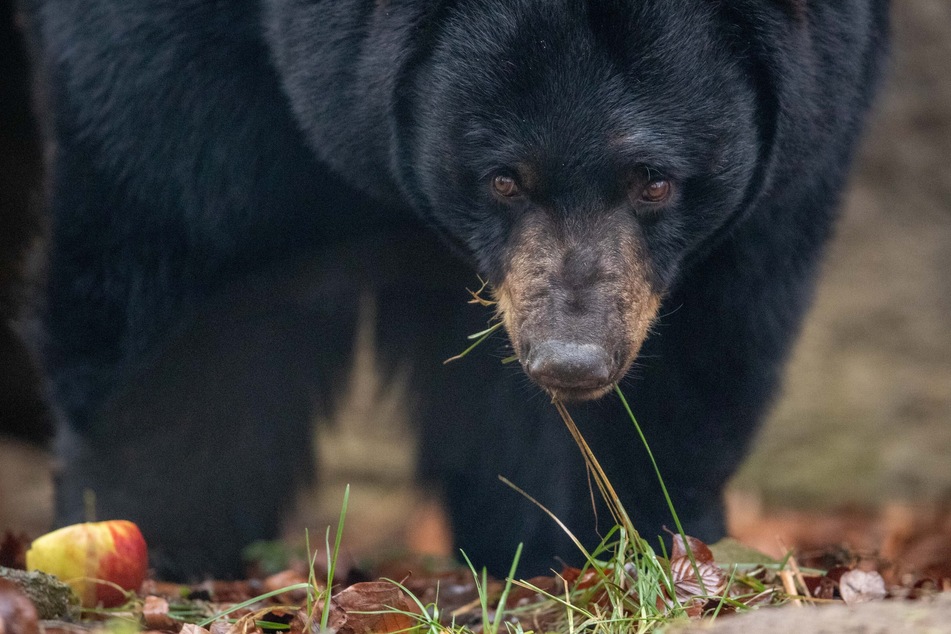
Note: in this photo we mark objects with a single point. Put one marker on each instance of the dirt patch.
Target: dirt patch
(870, 618)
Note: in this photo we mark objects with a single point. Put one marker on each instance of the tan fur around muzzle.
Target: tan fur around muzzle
(585, 281)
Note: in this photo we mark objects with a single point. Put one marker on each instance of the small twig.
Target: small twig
(789, 585)
(802, 580)
(477, 295)
(794, 567)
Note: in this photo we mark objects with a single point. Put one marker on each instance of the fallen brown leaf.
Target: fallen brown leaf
(701, 552)
(17, 613)
(381, 597)
(692, 589)
(155, 615)
(218, 627)
(454, 588)
(520, 596)
(711, 582)
(284, 579)
(304, 624)
(164, 589)
(227, 591)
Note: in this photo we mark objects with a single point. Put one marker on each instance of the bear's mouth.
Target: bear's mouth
(578, 395)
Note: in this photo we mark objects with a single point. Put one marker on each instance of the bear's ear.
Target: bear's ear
(424, 28)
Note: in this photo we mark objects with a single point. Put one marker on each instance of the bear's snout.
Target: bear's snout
(576, 300)
(574, 371)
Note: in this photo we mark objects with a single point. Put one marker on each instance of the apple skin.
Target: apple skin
(112, 551)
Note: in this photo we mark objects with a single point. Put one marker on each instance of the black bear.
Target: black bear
(646, 185)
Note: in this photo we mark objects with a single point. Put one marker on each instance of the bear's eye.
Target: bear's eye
(656, 191)
(649, 189)
(505, 185)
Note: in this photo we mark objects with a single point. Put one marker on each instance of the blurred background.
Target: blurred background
(858, 448)
(864, 424)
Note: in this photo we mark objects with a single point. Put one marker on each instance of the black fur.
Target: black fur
(199, 142)
(23, 413)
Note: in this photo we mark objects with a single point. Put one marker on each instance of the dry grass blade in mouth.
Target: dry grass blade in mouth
(610, 496)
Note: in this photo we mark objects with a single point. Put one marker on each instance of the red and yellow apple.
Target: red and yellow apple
(93, 558)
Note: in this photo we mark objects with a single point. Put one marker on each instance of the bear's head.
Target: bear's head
(582, 153)
(579, 153)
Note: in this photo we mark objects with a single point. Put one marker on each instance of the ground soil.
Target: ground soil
(932, 617)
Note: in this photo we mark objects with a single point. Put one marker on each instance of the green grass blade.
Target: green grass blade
(660, 479)
(482, 336)
(332, 558)
(505, 590)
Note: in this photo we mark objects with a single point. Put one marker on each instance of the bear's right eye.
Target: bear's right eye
(656, 191)
(505, 185)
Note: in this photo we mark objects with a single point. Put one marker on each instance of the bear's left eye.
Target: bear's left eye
(505, 185)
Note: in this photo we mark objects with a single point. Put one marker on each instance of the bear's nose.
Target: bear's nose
(572, 366)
